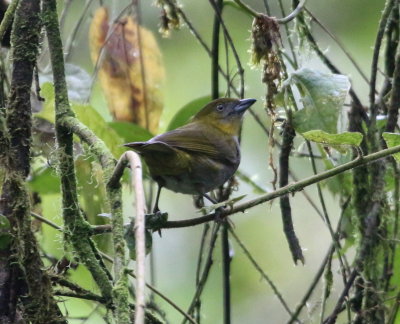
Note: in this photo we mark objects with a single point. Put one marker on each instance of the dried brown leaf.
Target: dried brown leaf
(131, 70)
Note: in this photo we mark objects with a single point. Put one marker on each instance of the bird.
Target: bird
(201, 155)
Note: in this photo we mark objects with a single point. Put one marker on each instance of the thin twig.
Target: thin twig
(291, 188)
(394, 102)
(375, 57)
(240, 69)
(46, 221)
(71, 38)
(245, 178)
(261, 271)
(267, 9)
(327, 286)
(226, 287)
(289, 39)
(169, 301)
(8, 18)
(64, 12)
(78, 290)
(310, 290)
(332, 318)
(199, 266)
(206, 271)
(215, 51)
(343, 264)
(340, 44)
(140, 238)
(293, 14)
(87, 296)
(308, 198)
(284, 20)
(247, 8)
(226, 272)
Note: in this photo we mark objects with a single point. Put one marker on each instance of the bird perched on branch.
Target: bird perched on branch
(199, 156)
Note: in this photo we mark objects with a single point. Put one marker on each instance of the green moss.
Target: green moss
(121, 297)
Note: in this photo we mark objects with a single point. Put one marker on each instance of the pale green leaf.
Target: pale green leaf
(346, 138)
(130, 132)
(187, 111)
(45, 182)
(391, 140)
(92, 119)
(88, 116)
(323, 96)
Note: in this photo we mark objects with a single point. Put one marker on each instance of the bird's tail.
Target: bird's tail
(136, 146)
(156, 146)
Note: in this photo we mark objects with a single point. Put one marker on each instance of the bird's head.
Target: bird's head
(224, 113)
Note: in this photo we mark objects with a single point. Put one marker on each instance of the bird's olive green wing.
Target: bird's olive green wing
(193, 138)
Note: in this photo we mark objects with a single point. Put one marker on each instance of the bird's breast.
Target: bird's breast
(203, 175)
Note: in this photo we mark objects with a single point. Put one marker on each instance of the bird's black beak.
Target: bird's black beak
(243, 104)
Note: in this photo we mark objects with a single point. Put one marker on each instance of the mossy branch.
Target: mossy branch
(79, 229)
(114, 194)
(21, 265)
(8, 18)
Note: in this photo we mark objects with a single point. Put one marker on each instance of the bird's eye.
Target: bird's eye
(220, 107)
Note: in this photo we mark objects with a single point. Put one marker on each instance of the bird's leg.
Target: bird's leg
(156, 209)
(209, 198)
(155, 220)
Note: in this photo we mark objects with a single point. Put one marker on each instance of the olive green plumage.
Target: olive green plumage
(201, 155)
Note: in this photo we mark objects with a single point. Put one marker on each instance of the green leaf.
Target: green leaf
(391, 140)
(130, 132)
(5, 236)
(346, 138)
(47, 112)
(92, 119)
(341, 184)
(187, 111)
(88, 116)
(46, 182)
(323, 96)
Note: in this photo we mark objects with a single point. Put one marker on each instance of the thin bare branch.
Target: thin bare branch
(293, 14)
(291, 188)
(140, 237)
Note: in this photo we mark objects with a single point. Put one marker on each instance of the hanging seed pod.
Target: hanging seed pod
(169, 18)
(266, 41)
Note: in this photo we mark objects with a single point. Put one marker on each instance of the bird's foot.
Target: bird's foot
(156, 220)
(219, 216)
(222, 219)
